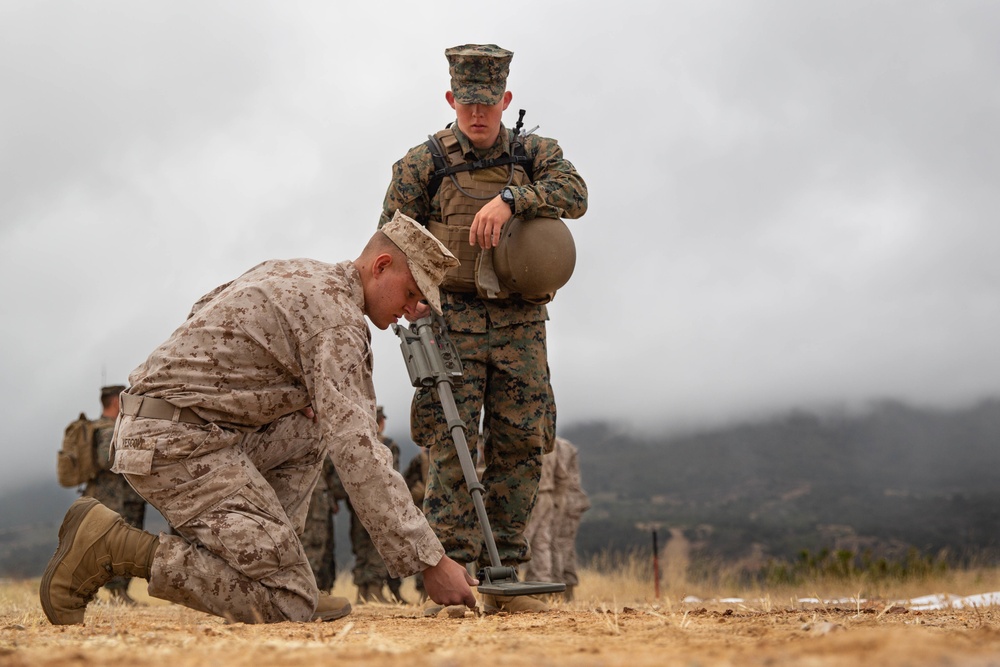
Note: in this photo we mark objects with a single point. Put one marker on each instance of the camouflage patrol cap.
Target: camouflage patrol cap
(478, 72)
(112, 390)
(427, 257)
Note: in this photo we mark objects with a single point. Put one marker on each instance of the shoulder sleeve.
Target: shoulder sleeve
(407, 190)
(558, 190)
(344, 401)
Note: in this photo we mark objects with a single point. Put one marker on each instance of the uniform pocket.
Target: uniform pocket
(133, 447)
(138, 441)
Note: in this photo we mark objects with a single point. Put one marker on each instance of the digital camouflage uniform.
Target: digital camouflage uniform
(571, 502)
(539, 531)
(254, 353)
(556, 517)
(318, 537)
(415, 477)
(369, 570)
(502, 346)
(113, 490)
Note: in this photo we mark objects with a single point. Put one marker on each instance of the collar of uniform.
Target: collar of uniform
(354, 283)
(501, 147)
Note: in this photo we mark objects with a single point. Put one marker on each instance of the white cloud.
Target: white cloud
(791, 203)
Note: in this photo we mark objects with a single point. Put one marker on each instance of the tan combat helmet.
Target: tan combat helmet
(534, 258)
(427, 258)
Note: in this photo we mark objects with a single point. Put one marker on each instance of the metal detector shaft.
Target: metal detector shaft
(457, 428)
(433, 361)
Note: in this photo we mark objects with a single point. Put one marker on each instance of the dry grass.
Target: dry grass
(614, 620)
(629, 580)
(613, 583)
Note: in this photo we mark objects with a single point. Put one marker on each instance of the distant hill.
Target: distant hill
(893, 479)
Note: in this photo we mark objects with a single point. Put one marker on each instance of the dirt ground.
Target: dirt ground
(704, 634)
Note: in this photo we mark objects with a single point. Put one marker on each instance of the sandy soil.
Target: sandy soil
(577, 633)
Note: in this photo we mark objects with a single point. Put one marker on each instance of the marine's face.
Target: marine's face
(480, 122)
(393, 294)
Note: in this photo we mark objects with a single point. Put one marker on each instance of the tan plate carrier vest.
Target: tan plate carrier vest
(461, 195)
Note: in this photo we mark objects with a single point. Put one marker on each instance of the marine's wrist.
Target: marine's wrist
(508, 197)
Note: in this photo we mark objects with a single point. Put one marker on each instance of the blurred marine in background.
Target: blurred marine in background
(556, 517)
(370, 573)
(318, 538)
(86, 459)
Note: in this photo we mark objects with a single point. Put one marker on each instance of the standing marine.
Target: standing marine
(495, 197)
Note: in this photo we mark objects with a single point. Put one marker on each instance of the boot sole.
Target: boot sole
(67, 536)
(333, 615)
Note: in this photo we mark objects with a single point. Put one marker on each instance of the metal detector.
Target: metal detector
(432, 361)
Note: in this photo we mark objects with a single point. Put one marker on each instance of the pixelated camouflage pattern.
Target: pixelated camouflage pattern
(416, 479)
(539, 531)
(539, 534)
(104, 429)
(285, 335)
(557, 191)
(369, 568)
(318, 538)
(503, 340)
(111, 489)
(393, 449)
(556, 515)
(460, 197)
(506, 379)
(427, 258)
(478, 72)
(416, 476)
(570, 502)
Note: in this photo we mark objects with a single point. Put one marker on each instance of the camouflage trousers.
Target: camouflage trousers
(318, 538)
(506, 383)
(539, 534)
(238, 502)
(369, 568)
(565, 529)
(114, 492)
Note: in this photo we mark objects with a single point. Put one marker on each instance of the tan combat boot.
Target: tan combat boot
(95, 544)
(329, 608)
(512, 604)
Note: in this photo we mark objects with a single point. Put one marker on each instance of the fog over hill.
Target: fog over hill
(889, 480)
(893, 479)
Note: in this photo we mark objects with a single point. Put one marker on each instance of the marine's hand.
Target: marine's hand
(422, 310)
(486, 226)
(309, 413)
(448, 583)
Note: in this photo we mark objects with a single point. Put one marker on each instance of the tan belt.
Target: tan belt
(148, 407)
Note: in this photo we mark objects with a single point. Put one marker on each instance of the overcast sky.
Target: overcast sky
(792, 204)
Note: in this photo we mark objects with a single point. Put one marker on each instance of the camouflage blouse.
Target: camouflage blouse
(557, 190)
(285, 335)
